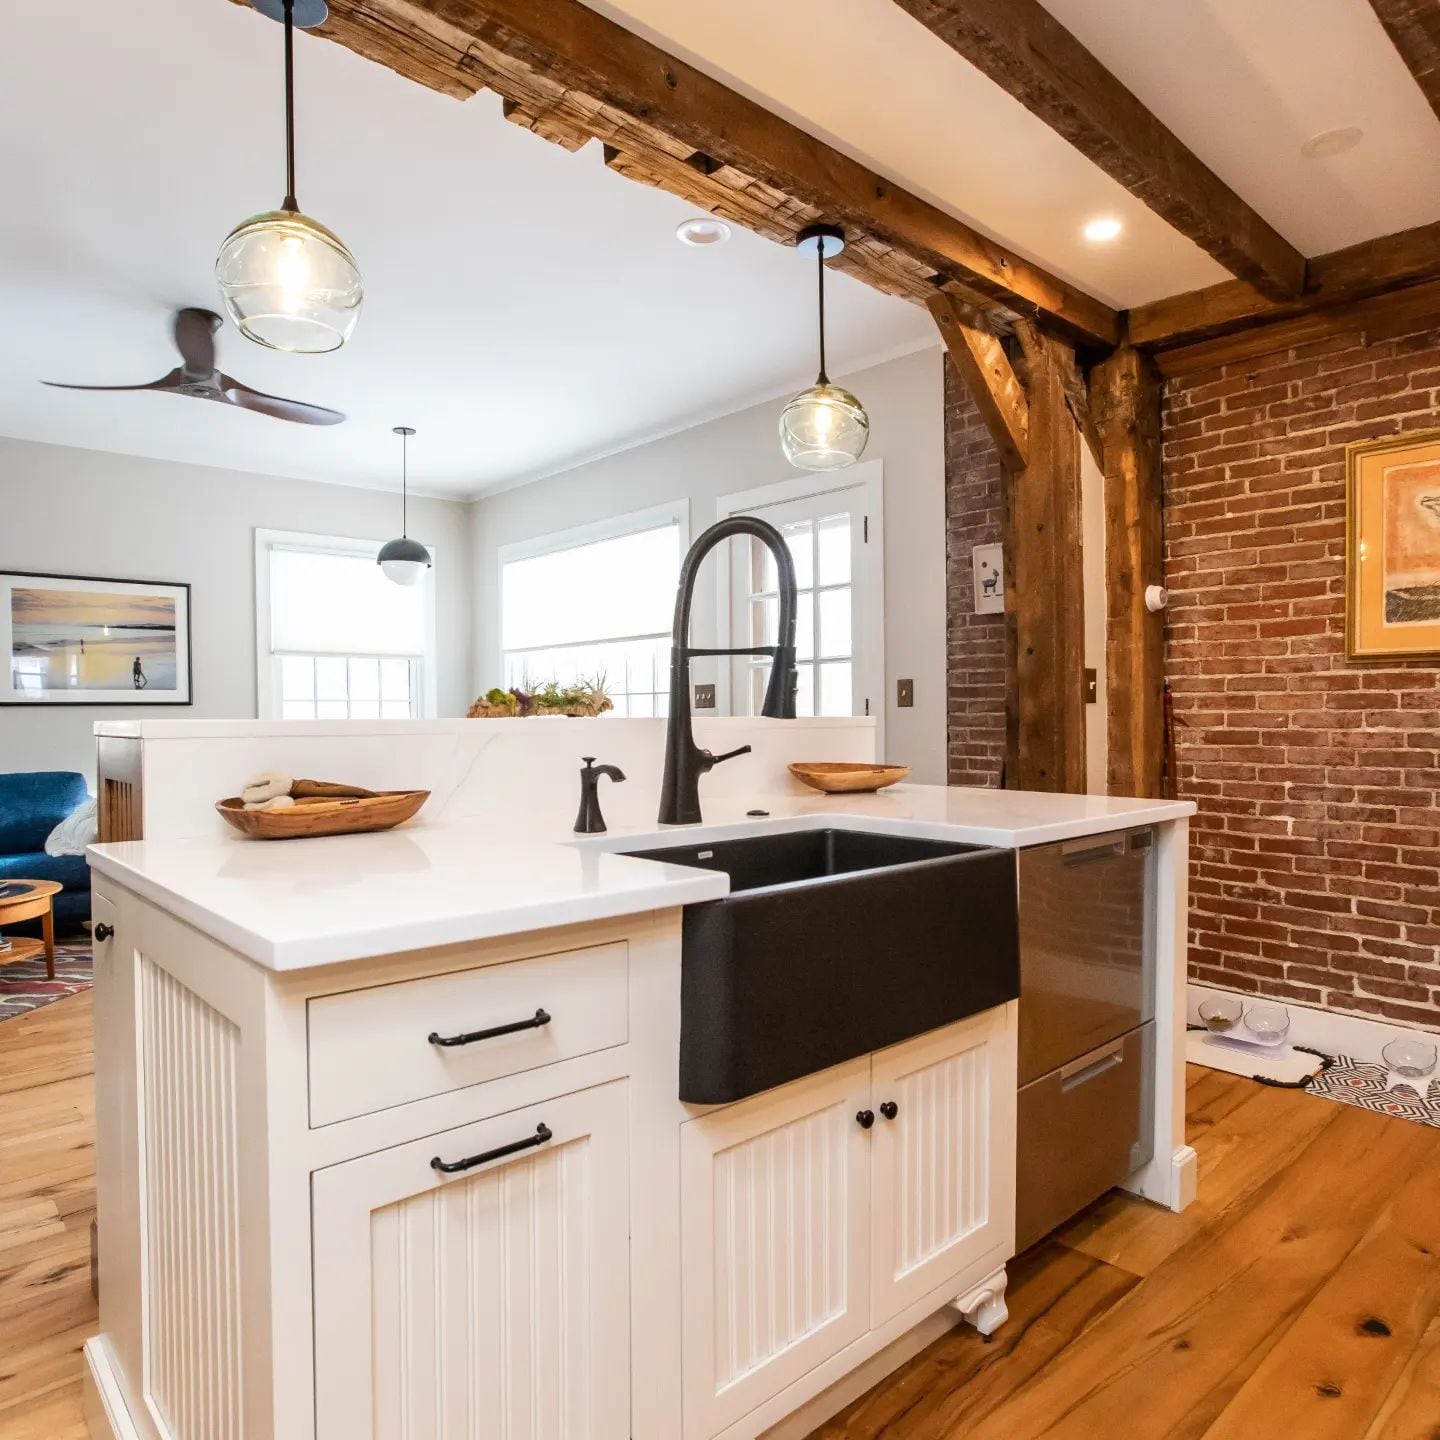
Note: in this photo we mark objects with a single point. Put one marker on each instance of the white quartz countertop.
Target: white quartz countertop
(290, 905)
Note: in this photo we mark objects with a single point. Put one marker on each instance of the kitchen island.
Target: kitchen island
(391, 1139)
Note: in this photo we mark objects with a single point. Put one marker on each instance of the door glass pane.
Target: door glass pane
(395, 710)
(330, 679)
(835, 690)
(800, 538)
(835, 550)
(835, 623)
(805, 693)
(297, 710)
(764, 621)
(365, 709)
(332, 710)
(805, 627)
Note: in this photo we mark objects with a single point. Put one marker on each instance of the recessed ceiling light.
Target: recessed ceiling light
(706, 231)
(1098, 231)
(1332, 142)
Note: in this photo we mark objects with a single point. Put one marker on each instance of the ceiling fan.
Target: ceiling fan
(198, 377)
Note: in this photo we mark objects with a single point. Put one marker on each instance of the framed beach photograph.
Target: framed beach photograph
(84, 640)
(1392, 551)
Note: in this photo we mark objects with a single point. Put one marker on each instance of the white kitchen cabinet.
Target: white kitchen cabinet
(488, 1302)
(775, 1230)
(812, 1216)
(942, 1163)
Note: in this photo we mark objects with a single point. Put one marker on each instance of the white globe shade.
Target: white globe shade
(288, 283)
(404, 561)
(824, 428)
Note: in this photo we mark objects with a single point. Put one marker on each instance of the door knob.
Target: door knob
(103, 931)
(889, 1109)
(865, 1119)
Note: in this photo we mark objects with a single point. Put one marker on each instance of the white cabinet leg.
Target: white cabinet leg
(984, 1306)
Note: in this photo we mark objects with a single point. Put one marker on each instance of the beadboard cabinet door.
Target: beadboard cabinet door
(493, 1302)
(943, 1158)
(775, 1227)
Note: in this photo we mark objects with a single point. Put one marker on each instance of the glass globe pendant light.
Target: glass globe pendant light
(404, 560)
(286, 281)
(824, 427)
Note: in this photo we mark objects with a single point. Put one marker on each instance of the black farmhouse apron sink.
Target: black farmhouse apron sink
(831, 944)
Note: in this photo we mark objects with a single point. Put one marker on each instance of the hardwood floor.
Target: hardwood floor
(47, 1200)
(1299, 1296)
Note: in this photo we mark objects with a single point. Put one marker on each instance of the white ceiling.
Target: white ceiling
(1243, 82)
(525, 308)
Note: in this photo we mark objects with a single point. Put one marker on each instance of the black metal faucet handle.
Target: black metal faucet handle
(589, 761)
(713, 760)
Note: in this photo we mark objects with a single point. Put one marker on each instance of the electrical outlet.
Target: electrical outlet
(704, 697)
(1092, 687)
(905, 694)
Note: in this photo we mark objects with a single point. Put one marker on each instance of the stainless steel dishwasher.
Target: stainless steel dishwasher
(1087, 1023)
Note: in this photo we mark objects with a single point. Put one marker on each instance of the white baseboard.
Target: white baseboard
(1328, 1030)
(106, 1417)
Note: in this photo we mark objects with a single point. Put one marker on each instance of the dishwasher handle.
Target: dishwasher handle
(1092, 1066)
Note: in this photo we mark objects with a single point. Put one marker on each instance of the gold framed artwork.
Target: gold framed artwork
(1392, 548)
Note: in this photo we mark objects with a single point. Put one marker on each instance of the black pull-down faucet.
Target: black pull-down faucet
(685, 761)
(590, 821)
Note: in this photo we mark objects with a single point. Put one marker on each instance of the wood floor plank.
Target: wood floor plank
(1332, 1371)
(1412, 1409)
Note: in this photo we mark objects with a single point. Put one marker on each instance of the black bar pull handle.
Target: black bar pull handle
(539, 1018)
(453, 1167)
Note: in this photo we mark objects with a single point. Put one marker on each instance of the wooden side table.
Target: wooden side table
(31, 903)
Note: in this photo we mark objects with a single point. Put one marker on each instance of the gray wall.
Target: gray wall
(88, 512)
(905, 401)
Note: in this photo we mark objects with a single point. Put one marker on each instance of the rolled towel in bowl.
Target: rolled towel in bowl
(275, 802)
(266, 786)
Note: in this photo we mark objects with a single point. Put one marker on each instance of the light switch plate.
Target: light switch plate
(989, 565)
(904, 694)
(704, 697)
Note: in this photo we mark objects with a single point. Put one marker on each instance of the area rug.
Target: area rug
(1362, 1083)
(23, 986)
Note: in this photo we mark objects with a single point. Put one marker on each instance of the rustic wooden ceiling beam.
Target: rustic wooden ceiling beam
(1028, 53)
(1414, 28)
(559, 58)
(1415, 303)
(984, 368)
(1369, 268)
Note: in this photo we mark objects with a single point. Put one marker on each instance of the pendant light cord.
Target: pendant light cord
(290, 202)
(405, 487)
(820, 263)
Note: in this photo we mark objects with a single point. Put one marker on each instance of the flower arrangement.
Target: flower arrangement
(584, 698)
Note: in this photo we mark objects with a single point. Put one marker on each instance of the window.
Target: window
(832, 526)
(335, 639)
(595, 604)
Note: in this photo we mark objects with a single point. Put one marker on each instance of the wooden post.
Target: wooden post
(1045, 590)
(1125, 405)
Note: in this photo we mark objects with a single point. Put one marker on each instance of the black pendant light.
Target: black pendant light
(824, 427)
(404, 560)
(288, 283)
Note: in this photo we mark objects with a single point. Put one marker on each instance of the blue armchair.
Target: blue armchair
(32, 804)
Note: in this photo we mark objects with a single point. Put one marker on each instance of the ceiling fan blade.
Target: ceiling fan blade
(195, 340)
(297, 410)
(172, 381)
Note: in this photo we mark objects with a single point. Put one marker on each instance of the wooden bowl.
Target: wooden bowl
(841, 779)
(323, 817)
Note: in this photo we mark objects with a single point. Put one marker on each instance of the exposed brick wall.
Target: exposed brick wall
(1315, 872)
(975, 644)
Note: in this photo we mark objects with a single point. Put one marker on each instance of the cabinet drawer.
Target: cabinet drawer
(1082, 1129)
(370, 1049)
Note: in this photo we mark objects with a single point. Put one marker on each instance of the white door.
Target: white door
(494, 1301)
(833, 530)
(775, 1226)
(944, 1159)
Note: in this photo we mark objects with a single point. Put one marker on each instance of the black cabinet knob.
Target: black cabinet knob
(103, 931)
(889, 1109)
(865, 1119)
